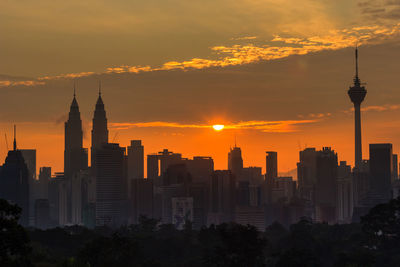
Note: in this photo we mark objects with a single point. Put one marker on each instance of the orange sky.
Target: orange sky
(276, 74)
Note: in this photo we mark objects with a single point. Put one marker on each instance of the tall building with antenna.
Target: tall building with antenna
(100, 130)
(357, 94)
(235, 162)
(75, 156)
(14, 181)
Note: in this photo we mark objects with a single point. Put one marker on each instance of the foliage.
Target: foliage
(14, 241)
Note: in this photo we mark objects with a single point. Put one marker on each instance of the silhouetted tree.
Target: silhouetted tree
(382, 224)
(232, 245)
(14, 241)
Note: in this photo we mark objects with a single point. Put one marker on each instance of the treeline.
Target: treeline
(373, 242)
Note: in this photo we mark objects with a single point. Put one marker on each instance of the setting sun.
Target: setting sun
(218, 127)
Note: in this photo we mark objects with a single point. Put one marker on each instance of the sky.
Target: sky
(274, 72)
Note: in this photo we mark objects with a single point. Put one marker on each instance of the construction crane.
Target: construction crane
(5, 135)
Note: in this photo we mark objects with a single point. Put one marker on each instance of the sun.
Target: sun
(218, 127)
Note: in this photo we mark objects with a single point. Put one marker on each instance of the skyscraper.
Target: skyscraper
(110, 184)
(14, 184)
(30, 161)
(271, 165)
(100, 130)
(75, 156)
(326, 185)
(306, 173)
(235, 162)
(135, 160)
(381, 169)
(222, 197)
(357, 94)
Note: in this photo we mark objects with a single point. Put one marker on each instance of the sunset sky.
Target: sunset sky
(274, 72)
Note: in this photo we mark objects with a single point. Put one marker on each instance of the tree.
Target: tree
(232, 245)
(14, 241)
(382, 224)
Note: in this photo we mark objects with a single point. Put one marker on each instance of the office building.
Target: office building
(271, 165)
(235, 162)
(110, 182)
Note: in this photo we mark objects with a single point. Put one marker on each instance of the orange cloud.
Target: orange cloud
(67, 76)
(7, 83)
(386, 107)
(264, 126)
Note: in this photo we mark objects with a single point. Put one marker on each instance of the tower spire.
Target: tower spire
(74, 89)
(15, 137)
(99, 88)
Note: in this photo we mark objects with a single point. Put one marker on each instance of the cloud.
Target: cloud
(376, 108)
(264, 126)
(279, 47)
(380, 10)
(244, 38)
(8, 83)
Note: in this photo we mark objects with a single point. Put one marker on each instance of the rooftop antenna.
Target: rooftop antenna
(15, 137)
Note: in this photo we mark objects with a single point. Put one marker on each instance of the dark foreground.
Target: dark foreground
(373, 242)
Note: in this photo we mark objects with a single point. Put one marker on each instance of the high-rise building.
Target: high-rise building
(345, 201)
(182, 211)
(395, 175)
(110, 182)
(253, 175)
(283, 189)
(200, 168)
(100, 130)
(381, 169)
(271, 165)
(14, 182)
(222, 197)
(357, 94)
(42, 214)
(135, 160)
(306, 173)
(30, 161)
(54, 195)
(44, 179)
(235, 162)
(141, 199)
(75, 156)
(152, 166)
(326, 185)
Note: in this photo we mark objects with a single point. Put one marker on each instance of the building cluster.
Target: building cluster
(111, 189)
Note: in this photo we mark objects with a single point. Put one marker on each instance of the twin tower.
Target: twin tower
(75, 156)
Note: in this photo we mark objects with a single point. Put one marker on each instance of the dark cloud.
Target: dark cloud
(380, 10)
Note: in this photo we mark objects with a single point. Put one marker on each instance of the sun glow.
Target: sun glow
(218, 127)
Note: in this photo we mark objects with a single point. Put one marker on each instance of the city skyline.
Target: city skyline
(200, 133)
(120, 132)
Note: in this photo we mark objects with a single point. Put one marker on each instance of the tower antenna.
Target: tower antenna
(356, 61)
